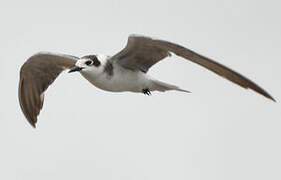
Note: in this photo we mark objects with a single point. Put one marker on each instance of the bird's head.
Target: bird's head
(90, 63)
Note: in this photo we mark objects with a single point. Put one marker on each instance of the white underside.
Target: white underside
(122, 80)
(126, 80)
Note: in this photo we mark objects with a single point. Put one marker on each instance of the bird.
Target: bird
(125, 71)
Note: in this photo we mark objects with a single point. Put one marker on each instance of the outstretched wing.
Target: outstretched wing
(142, 52)
(36, 74)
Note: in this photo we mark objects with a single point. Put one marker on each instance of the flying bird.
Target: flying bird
(125, 71)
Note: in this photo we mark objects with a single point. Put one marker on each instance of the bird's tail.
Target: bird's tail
(161, 86)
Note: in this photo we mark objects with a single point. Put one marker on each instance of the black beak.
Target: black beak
(75, 68)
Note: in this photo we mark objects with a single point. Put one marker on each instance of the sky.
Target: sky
(219, 131)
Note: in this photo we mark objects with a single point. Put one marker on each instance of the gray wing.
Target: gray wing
(142, 52)
(36, 74)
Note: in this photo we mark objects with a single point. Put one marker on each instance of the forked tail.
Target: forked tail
(161, 86)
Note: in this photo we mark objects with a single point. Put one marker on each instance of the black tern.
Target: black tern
(125, 71)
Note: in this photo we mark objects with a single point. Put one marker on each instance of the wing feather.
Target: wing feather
(142, 52)
(36, 74)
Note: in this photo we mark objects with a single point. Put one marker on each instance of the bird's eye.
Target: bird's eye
(88, 63)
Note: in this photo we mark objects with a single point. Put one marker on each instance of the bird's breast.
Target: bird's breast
(121, 80)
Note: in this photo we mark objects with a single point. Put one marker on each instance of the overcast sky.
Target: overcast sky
(218, 132)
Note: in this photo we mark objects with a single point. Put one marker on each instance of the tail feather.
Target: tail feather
(161, 86)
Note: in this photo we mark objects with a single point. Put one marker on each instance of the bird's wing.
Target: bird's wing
(142, 52)
(36, 74)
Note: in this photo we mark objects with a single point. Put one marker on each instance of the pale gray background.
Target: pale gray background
(218, 132)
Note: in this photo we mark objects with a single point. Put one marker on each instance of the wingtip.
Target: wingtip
(267, 95)
(271, 98)
(33, 124)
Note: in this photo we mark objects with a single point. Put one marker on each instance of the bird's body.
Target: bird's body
(125, 71)
(122, 80)
(119, 79)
